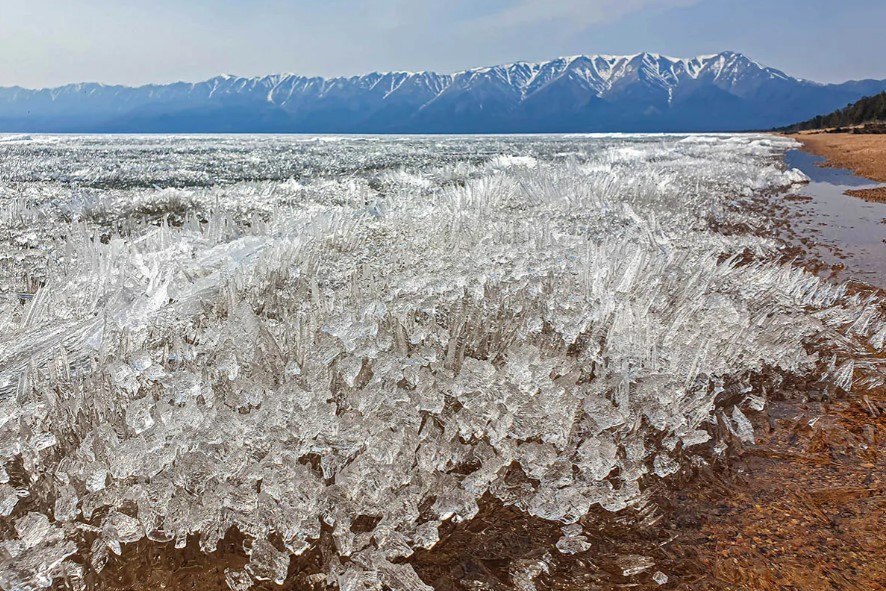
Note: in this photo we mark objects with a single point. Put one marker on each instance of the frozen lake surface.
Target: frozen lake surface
(362, 337)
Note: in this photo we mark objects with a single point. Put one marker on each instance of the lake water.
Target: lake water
(845, 229)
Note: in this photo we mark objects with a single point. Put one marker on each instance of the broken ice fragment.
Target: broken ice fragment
(292, 369)
(573, 540)
(43, 441)
(138, 414)
(141, 361)
(664, 465)
(633, 564)
(695, 438)
(426, 535)
(238, 580)
(742, 427)
(124, 377)
(598, 457)
(119, 528)
(228, 366)
(843, 376)
(266, 563)
(183, 386)
(66, 503)
(525, 571)
(757, 403)
(35, 528)
(96, 479)
(98, 555)
(8, 499)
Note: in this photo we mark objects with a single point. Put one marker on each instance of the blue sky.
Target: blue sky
(52, 42)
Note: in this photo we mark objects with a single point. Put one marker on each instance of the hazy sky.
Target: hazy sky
(53, 42)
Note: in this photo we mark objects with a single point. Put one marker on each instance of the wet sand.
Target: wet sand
(864, 154)
(835, 234)
(869, 194)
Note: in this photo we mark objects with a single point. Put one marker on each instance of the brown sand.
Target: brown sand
(865, 155)
(878, 194)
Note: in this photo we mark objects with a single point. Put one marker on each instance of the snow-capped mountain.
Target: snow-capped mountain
(644, 92)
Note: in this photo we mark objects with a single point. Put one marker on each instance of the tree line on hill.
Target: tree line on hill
(869, 112)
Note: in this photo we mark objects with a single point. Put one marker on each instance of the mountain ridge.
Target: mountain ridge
(641, 92)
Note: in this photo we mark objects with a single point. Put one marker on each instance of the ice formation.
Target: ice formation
(285, 337)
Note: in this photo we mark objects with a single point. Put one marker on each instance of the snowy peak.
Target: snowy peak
(602, 73)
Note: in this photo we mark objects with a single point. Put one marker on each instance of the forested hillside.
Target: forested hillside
(869, 110)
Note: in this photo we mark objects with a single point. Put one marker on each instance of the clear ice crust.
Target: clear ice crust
(286, 335)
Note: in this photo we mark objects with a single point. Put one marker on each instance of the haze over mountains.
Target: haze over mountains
(645, 92)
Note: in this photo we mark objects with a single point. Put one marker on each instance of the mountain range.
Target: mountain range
(588, 93)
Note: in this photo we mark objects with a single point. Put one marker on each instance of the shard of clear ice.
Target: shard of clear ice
(573, 540)
(358, 341)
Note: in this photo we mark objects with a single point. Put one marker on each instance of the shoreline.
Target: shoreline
(863, 154)
(826, 226)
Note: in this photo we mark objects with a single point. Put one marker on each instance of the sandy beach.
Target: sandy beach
(865, 155)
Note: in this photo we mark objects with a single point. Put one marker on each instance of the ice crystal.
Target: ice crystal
(632, 564)
(573, 541)
(285, 337)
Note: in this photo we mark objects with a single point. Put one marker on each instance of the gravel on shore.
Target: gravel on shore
(865, 155)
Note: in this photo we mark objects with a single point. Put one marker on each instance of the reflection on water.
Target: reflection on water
(842, 230)
(812, 166)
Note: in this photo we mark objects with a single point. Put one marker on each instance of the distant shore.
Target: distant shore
(863, 154)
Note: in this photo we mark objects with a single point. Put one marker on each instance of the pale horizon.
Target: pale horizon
(60, 43)
(401, 71)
